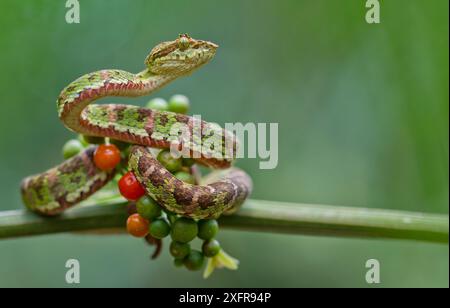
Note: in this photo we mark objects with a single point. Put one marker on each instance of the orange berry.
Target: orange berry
(137, 226)
(106, 157)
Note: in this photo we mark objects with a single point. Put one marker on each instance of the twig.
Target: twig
(255, 215)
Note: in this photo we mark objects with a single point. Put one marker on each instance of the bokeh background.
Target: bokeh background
(362, 112)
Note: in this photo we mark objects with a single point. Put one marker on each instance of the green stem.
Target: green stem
(255, 215)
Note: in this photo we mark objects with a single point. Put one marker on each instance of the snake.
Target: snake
(52, 192)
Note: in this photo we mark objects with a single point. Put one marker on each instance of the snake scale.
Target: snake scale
(61, 187)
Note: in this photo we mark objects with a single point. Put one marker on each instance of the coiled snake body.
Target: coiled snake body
(57, 189)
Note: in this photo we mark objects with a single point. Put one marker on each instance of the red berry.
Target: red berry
(137, 226)
(130, 188)
(106, 157)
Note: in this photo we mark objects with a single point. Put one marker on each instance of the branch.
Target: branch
(255, 215)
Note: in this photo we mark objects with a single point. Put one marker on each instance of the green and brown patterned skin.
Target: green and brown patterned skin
(52, 192)
(198, 201)
(57, 189)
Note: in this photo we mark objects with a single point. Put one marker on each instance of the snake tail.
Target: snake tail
(59, 188)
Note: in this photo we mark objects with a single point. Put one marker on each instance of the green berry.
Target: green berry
(178, 262)
(179, 104)
(92, 140)
(179, 250)
(207, 229)
(185, 177)
(72, 148)
(119, 144)
(159, 104)
(210, 248)
(168, 161)
(159, 228)
(184, 230)
(188, 162)
(148, 208)
(194, 261)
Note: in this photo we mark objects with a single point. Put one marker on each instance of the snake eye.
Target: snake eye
(183, 42)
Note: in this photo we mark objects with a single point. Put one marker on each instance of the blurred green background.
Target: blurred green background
(362, 112)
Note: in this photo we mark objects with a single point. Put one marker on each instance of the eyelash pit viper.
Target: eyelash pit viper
(57, 189)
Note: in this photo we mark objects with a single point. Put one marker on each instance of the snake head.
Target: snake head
(180, 57)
